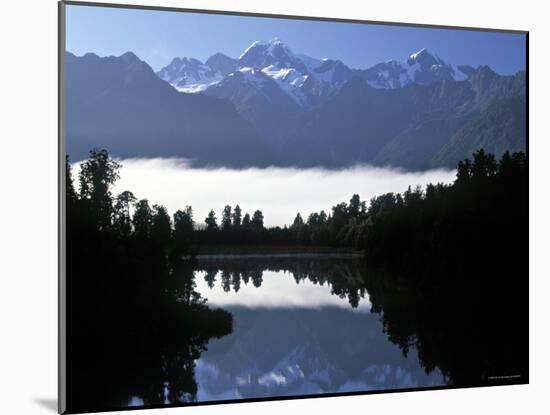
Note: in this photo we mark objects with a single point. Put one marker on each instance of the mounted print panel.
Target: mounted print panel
(261, 207)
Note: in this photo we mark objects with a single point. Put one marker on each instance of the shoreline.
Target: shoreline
(212, 253)
(288, 255)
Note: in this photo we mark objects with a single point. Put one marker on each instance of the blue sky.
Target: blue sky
(159, 36)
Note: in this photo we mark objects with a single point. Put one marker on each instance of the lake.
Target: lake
(301, 326)
(259, 326)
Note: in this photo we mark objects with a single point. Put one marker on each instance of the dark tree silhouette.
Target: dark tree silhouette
(211, 221)
(210, 277)
(183, 228)
(123, 285)
(143, 219)
(96, 176)
(246, 221)
(226, 218)
(298, 221)
(70, 193)
(464, 172)
(257, 220)
(426, 251)
(161, 227)
(339, 216)
(236, 216)
(122, 221)
(355, 206)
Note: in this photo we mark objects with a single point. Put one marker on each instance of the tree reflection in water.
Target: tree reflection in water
(137, 346)
(144, 348)
(473, 330)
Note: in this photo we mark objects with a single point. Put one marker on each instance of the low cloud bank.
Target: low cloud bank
(280, 193)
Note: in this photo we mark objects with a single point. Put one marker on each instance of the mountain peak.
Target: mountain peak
(267, 45)
(420, 52)
(189, 75)
(486, 70)
(426, 68)
(273, 52)
(482, 77)
(424, 58)
(129, 57)
(219, 55)
(221, 63)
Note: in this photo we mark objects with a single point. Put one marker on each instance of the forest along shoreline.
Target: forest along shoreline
(436, 248)
(425, 230)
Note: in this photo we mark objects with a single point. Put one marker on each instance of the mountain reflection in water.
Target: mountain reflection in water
(299, 327)
(290, 326)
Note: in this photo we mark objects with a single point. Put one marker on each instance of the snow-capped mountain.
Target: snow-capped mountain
(247, 85)
(222, 63)
(421, 67)
(426, 68)
(260, 99)
(388, 75)
(291, 109)
(331, 114)
(189, 75)
(261, 54)
(305, 79)
(302, 78)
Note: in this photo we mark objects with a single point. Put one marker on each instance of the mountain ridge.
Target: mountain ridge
(421, 67)
(327, 115)
(120, 104)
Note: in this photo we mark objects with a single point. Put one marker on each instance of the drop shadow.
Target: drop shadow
(48, 403)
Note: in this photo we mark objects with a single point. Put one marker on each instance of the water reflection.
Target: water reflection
(298, 351)
(278, 289)
(139, 345)
(283, 327)
(284, 282)
(300, 327)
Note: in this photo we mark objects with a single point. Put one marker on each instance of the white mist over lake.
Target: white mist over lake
(280, 193)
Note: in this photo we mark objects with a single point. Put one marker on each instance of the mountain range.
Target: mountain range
(271, 106)
(118, 103)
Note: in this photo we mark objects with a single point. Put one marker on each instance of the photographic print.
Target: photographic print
(261, 207)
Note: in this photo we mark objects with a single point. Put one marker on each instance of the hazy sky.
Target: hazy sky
(158, 36)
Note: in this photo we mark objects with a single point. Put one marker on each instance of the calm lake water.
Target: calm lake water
(293, 325)
(300, 326)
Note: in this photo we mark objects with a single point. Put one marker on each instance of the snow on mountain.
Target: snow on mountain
(276, 60)
(289, 80)
(257, 96)
(421, 67)
(189, 75)
(426, 68)
(306, 369)
(247, 84)
(274, 52)
(305, 79)
(334, 72)
(388, 75)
